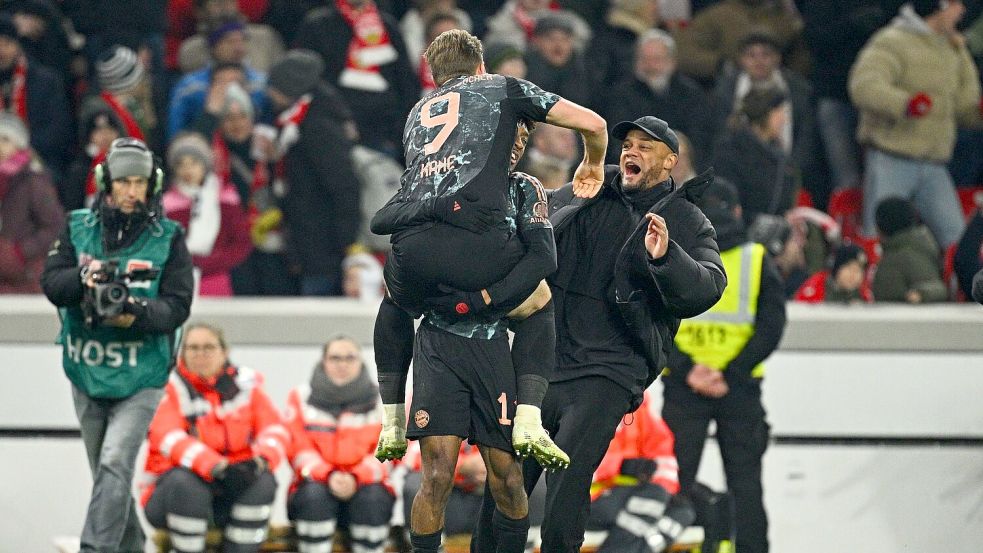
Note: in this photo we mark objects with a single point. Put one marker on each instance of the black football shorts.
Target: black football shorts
(462, 387)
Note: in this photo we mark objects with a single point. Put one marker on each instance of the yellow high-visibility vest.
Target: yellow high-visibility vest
(715, 337)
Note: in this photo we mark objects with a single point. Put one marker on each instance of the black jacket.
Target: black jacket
(769, 325)
(652, 296)
(62, 285)
(683, 105)
(321, 208)
(766, 179)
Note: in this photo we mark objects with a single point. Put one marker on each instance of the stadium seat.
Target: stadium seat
(846, 208)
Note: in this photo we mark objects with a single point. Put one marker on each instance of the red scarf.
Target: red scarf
(528, 22)
(289, 124)
(18, 94)
(223, 169)
(132, 128)
(369, 48)
(90, 182)
(427, 83)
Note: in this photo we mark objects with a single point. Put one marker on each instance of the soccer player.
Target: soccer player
(458, 141)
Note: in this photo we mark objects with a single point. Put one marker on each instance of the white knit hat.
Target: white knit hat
(13, 128)
(119, 69)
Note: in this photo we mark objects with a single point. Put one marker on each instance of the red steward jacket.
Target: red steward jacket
(194, 428)
(647, 437)
(323, 443)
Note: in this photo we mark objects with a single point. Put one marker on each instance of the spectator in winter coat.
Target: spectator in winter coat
(759, 67)
(553, 63)
(321, 209)
(228, 45)
(913, 83)
(750, 156)
(505, 59)
(654, 86)
(832, 55)
(243, 152)
(127, 90)
(263, 45)
(209, 209)
(911, 264)
(215, 442)
(366, 59)
(334, 422)
(640, 463)
(36, 95)
(610, 55)
(515, 22)
(98, 126)
(844, 282)
(29, 210)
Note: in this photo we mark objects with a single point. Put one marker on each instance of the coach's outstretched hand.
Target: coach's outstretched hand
(456, 303)
(588, 179)
(464, 211)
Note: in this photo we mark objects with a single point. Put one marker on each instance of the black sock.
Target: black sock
(534, 354)
(509, 533)
(393, 341)
(425, 543)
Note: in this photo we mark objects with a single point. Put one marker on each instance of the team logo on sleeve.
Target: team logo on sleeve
(421, 418)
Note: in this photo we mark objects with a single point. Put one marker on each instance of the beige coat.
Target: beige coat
(901, 60)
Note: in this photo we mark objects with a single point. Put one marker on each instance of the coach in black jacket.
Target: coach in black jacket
(622, 284)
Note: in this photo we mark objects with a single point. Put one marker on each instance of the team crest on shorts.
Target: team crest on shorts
(421, 418)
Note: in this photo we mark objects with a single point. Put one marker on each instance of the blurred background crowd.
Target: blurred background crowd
(279, 124)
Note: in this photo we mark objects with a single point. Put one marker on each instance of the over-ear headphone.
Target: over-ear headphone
(104, 179)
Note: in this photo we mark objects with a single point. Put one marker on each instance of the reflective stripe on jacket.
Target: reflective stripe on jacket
(717, 336)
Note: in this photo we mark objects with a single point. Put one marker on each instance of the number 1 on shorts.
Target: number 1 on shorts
(505, 413)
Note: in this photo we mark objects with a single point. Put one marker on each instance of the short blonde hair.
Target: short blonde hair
(453, 53)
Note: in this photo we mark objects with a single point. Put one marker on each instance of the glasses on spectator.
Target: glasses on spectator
(343, 358)
(204, 348)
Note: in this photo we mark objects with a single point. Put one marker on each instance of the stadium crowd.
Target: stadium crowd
(280, 121)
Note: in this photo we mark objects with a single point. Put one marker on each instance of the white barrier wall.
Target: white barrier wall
(876, 414)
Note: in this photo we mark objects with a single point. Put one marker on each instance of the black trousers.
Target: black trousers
(443, 254)
(582, 416)
(316, 514)
(184, 504)
(742, 433)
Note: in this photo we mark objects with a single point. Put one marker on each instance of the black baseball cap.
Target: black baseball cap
(652, 126)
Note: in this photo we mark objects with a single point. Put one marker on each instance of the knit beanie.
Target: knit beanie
(190, 144)
(925, 8)
(845, 254)
(118, 69)
(497, 53)
(125, 160)
(95, 114)
(894, 215)
(297, 73)
(236, 95)
(223, 26)
(14, 130)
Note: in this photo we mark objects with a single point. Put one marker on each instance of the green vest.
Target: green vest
(714, 338)
(110, 362)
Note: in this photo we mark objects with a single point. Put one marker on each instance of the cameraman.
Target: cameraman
(118, 359)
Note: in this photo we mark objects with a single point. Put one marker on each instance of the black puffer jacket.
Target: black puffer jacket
(653, 296)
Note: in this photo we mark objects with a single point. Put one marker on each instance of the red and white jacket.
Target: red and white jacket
(323, 443)
(194, 428)
(647, 437)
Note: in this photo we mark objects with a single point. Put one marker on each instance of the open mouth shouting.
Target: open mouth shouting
(632, 169)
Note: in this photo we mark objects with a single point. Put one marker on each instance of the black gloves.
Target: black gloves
(457, 303)
(639, 468)
(464, 211)
(236, 478)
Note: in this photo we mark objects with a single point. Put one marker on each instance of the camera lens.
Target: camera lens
(116, 294)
